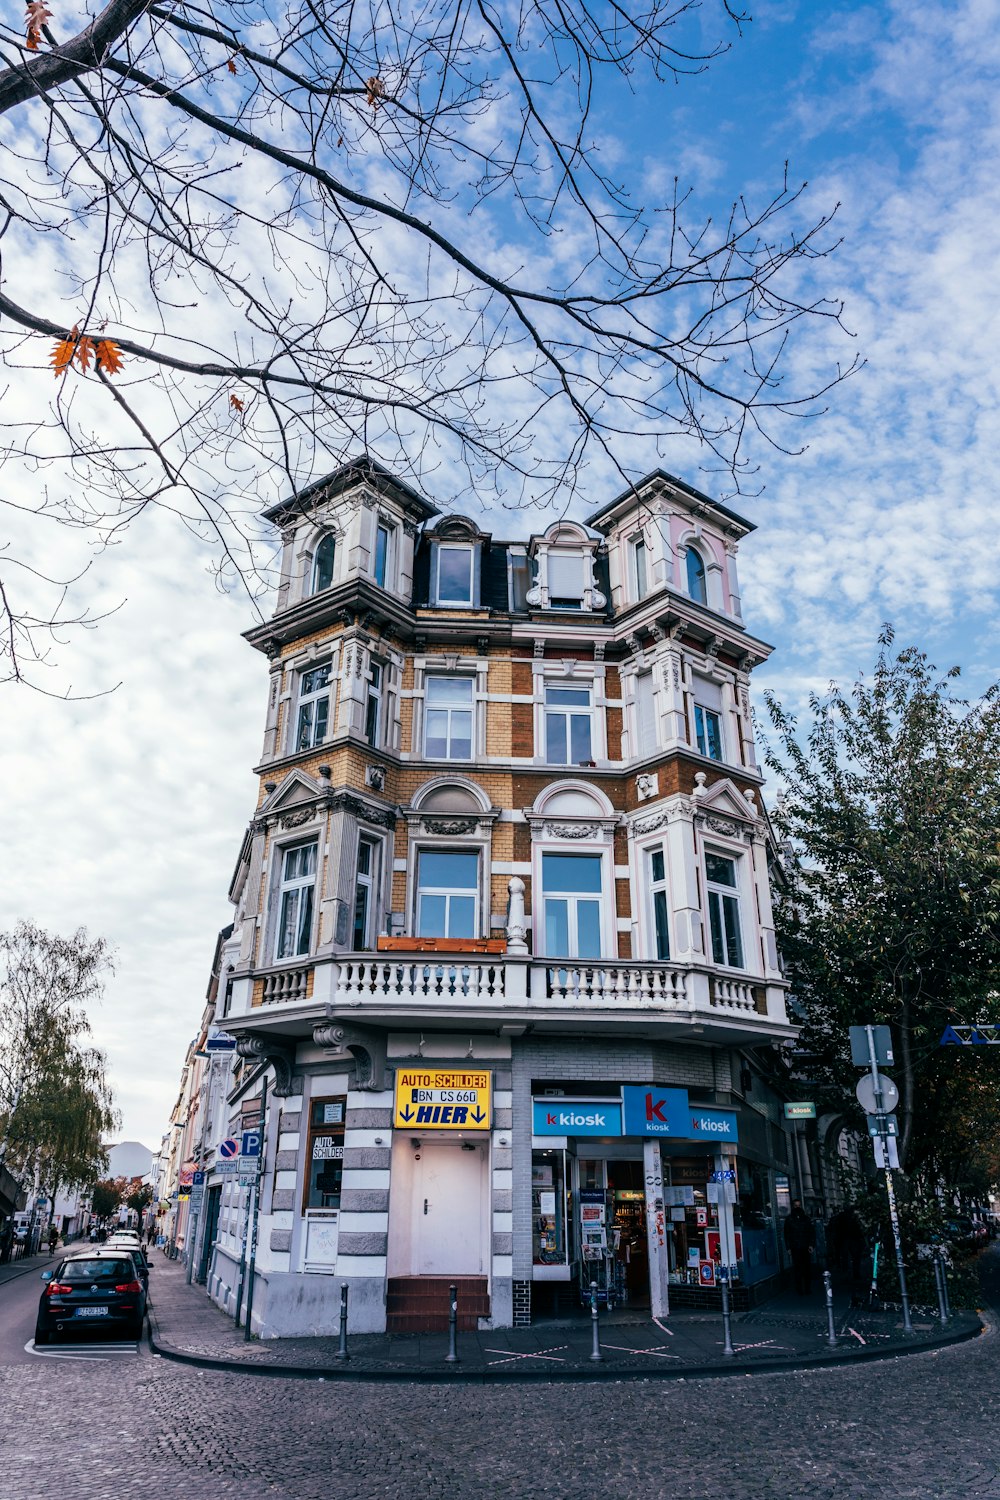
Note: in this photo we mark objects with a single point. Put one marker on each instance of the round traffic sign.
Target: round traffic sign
(866, 1094)
(229, 1149)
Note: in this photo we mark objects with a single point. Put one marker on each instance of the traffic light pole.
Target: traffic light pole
(890, 1190)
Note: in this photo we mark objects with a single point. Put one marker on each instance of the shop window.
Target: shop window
(325, 1153)
(656, 877)
(568, 726)
(548, 1209)
(322, 569)
(313, 714)
(366, 894)
(448, 718)
(724, 910)
(447, 893)
(572, 894)
(295, 901)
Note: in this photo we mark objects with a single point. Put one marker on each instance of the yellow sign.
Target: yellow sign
(436, 1099)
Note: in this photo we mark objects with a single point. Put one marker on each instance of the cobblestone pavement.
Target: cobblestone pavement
(923, 1427)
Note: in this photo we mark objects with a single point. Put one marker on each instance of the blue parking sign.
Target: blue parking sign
(250, 1145)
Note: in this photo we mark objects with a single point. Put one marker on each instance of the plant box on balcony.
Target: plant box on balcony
(441, 945)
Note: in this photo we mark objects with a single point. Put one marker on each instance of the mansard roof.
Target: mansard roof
(658, 480)
(363, 470)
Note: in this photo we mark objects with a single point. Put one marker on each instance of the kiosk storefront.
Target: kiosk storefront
(634, 1194)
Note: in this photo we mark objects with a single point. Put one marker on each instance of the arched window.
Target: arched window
(696, 575)
(322, 574)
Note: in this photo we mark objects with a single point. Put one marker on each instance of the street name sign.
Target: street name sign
(800, 1111)
(442, 1099)
(228, 1168)
(866, 1095)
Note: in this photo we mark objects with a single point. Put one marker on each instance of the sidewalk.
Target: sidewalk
(36, 1263)
(788, 1333)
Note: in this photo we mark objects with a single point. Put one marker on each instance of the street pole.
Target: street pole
(890, 1190)
(256, 1209)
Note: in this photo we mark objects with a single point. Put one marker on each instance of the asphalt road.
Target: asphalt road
(110, 1422)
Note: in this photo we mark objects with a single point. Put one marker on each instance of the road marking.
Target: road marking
(660, 1350)
(542, 1354)
(48, 1353)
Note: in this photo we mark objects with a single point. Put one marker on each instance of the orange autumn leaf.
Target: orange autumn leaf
(84, 352)
(236, 403)
(62, 354)
(376, 91)
(231, 66)
(109, 356)
(35, 16)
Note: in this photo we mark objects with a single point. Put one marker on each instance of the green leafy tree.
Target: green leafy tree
(107, 1196)
(140, 1197)
(56, 1106)
(891, 912)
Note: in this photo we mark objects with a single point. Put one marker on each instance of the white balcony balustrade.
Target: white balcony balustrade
(362, 979)
(628, 986)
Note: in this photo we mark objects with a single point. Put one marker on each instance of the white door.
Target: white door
(448, 1217)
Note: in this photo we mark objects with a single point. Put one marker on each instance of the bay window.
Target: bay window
(656, 884)
(313, 714)
(366, 894)
(373, 703)
(296, 894)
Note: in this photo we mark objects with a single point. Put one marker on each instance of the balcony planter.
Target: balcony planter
(440, 945)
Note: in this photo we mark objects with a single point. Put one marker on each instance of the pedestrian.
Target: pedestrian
(150, 1234)
(855, 1247)
(800, 1236)
(53, 1239)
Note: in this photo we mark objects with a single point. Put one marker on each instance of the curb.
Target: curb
(24, 1270)
(424, 1376)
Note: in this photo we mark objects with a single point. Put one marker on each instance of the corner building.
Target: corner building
(503, 948)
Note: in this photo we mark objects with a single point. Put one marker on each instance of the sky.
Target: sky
(123, 812)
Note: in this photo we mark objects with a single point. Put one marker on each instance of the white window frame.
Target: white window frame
(569, 711)
(312, 699)
(472, 551)
(387, 581)
(433, 675)
(701, 738)
(605, 898)
(371, 882)
(328, 536)
(476, 890)
(654, 888)
(292, 885)
(375, 693)
(722, 892)
(638, 591)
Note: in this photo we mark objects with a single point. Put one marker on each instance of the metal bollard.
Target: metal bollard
(451, 1358)
(595, 1325)
(944, 1286)
(728, 1349)
(831, 1331)
(939, 1287)
(342, 1347)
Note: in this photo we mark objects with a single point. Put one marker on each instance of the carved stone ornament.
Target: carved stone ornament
(726, 827)
(572, 830)
(296, 817)
(650, 825)
(647, 784)
(451, 827)
(383, 817)
(260, 1048)
(375, 777)
(366, 1047)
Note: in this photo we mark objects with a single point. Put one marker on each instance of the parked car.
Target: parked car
(98, 1288)
(963, 1233)
(122, 1247)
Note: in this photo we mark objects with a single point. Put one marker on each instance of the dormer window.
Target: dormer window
(696, 585)
(322, 568)
(565, 580)
(454, 574)
(564, 561)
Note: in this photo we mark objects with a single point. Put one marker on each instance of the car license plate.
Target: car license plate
(91, 1312)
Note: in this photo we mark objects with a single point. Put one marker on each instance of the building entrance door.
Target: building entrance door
(449, 1218)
